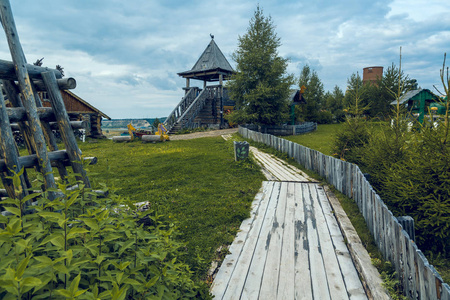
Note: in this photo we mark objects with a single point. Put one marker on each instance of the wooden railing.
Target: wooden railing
(181, 108)
(419, 279)
(187, 119)
(190, 106)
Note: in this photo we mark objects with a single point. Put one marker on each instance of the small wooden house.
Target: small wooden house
(80, 110)
(417, 102)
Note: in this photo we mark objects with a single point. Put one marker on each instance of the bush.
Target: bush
(88, 248)
(324, 117)
(350, 140)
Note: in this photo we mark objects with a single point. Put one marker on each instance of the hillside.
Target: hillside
(122, 123)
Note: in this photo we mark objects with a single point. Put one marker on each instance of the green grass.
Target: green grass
(194, 183)
(320, 140)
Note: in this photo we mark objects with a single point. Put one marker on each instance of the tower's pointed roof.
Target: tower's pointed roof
(210, 65)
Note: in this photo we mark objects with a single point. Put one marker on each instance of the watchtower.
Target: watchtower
(203, 107)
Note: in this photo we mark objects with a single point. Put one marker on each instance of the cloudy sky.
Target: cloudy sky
(125, 55)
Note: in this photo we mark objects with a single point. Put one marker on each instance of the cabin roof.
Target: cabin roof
(210, 65)
(411, 94)
(87, 104)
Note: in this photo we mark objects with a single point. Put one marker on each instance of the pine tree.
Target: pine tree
(260, 86)
(314, 95)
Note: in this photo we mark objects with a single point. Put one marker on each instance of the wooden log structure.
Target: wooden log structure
(20, 66)
(30, 161)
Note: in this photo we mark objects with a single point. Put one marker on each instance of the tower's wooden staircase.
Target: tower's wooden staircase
(197, 108)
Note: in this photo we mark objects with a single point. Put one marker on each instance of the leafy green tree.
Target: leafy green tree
(260, 86)
(314, 95)
(334, 103)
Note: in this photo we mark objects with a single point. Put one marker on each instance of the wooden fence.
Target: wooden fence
(420, 280)
(284, 129)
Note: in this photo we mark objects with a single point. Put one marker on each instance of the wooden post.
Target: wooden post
(20, 63)
(10, 152)
(64, 126)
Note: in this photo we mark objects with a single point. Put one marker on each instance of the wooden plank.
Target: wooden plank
(334, 278)
(350, 276)
(64, 127)
(259, 205)
(318, 276)
(20, 63)
(303, 287)
(286, 286)
(237, 281)
(256, 266)
(274, 239)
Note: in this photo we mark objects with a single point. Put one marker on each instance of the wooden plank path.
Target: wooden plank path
(291, 247)
(277, 169)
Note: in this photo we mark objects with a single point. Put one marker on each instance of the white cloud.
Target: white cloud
(125, 57)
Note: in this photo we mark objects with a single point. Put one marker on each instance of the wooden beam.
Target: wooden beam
(24, 80)
(29, 161)
(54, 125)
(18, 114)
(64, 126)
(7, 70)
(63, 84)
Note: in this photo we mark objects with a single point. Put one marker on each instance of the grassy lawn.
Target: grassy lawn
(320, 140)
(194, 183)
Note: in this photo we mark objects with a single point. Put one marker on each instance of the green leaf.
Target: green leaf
(61, 268)
(92, 223)
(125, 246)
(73, 232)
(22, 266)
(13, 210)
(152, 282)
(31, 281)
(74, 284)
(73, 198)
(64, 293)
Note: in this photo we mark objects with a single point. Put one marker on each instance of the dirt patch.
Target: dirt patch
(203, 134)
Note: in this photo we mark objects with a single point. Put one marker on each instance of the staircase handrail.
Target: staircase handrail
(181, 108)
(187, 119)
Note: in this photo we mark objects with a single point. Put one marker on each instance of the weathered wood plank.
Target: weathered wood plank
(303, 288)
(318, 276)
(256, 268)
(335, 281)
(286, 286)
(349, 274)
(259, 205)
(240, 272)
(274, 239)
(64, 127)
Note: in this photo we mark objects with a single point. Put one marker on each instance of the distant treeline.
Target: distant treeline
(122, 123)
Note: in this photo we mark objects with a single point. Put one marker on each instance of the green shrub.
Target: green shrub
(350, 140)
(90, 248)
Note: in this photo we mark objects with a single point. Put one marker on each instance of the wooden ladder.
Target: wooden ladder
(33, 120)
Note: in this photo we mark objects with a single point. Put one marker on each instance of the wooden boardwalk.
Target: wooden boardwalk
(290, 248)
